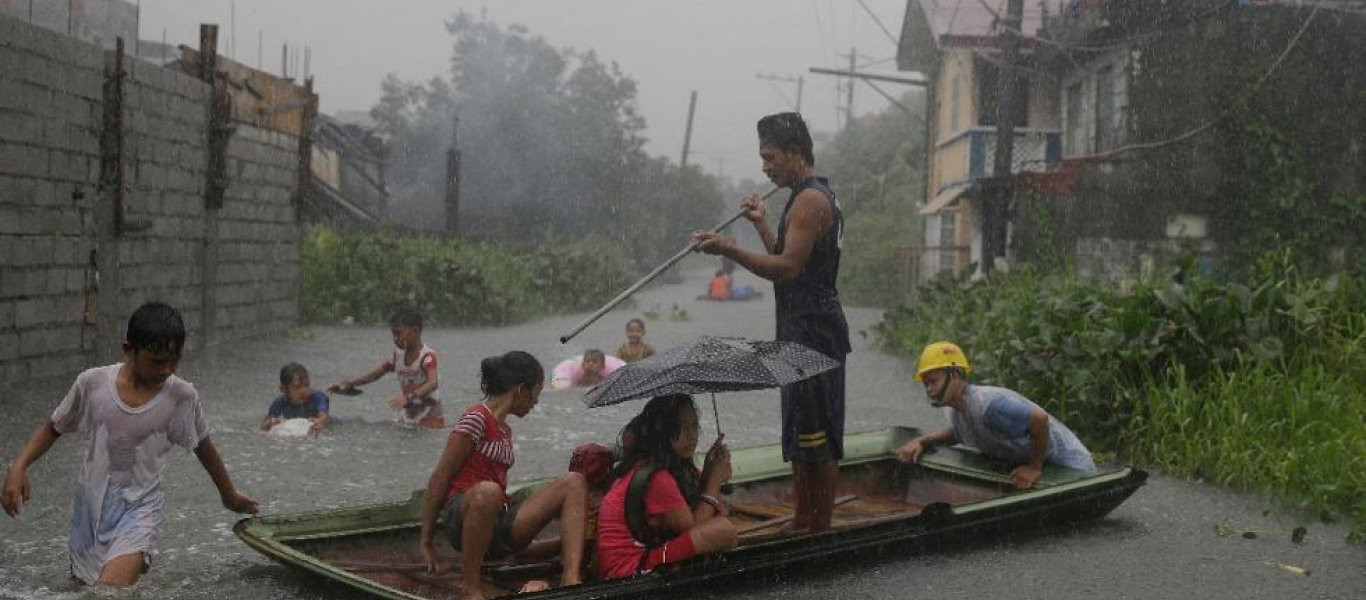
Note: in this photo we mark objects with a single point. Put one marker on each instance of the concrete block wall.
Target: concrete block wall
(165, 115)
(62, 308)
(257, 289)
(50, 119)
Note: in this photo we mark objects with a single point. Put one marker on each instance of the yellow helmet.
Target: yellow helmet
(940, 355)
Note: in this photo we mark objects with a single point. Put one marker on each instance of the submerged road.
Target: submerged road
(1160, 544)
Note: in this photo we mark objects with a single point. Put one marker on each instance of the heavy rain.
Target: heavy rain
(1164, 261)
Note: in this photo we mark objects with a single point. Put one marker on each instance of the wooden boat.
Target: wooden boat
(955, 494)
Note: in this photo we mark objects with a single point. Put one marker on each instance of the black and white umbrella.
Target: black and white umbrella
(711, 364)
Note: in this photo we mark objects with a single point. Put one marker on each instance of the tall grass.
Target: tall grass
(363, 277)
(1255, 385)
(1298, 436)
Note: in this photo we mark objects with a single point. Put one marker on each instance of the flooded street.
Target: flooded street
(1160, 544)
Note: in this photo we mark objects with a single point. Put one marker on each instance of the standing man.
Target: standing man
(802, 260)
(1000, 422)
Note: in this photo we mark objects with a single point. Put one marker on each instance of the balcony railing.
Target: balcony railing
(1035, 150)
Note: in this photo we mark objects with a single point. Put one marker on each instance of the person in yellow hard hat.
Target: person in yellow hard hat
(999, 422)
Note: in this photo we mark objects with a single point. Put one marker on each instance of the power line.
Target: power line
(872, 14)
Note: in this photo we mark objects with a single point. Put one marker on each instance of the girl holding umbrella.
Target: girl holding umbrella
(660, 509)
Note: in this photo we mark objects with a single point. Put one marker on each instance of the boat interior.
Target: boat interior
(378, 549)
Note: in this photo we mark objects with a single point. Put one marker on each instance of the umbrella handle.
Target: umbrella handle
(716, 415)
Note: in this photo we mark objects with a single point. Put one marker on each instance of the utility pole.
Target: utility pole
(788, 79)
(995, 215)
(849, 101)
(453, 180)
(687, 135)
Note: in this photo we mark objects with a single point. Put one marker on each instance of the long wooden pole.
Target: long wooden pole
(651, 276)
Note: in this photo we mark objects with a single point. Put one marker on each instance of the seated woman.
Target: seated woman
(468, 488)
(660, 510)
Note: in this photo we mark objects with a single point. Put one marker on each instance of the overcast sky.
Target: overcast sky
(670, 47)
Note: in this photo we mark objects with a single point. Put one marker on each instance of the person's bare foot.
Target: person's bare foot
(535, 585)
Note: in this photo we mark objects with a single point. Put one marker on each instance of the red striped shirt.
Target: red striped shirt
(492, 455)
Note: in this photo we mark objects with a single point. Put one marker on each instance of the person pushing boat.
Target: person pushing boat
(999, 422)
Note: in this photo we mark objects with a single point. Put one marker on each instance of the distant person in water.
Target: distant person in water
(466, 497)
(999, 422)
(419, 398)
(635, 347)
(594, 361)
(719, 288)
(131, 413)
(297, 400)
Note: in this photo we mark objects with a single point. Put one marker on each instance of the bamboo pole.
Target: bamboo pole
(651, 276)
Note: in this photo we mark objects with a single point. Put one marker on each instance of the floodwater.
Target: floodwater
(1160, 544)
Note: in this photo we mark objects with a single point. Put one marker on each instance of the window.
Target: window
(1106, 119)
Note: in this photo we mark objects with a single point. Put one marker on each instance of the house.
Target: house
(955, 44)
(1165, 127)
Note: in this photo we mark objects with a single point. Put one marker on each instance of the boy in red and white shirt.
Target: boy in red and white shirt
(414, 364)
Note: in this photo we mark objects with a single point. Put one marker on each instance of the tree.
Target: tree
(551, 141)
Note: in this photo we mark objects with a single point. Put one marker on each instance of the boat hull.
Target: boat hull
(954, 496)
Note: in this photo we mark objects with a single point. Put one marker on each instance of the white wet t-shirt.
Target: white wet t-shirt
(118, 504)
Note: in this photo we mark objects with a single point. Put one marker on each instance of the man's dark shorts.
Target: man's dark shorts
(813, 418)
(502, 545)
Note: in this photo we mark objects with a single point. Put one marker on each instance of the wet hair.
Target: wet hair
(406, 317)
(787, 131)
(637, 322)
(156, 327)
(650, 435)
(291, 371)
(499, 374)
(594, 354)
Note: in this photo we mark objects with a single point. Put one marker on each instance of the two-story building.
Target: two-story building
(1148, 128)
(954, 43)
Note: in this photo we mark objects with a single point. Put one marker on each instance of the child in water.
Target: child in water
(593, 362)
(635, 347)
(297, 400)
(130, 414)
(414, 364)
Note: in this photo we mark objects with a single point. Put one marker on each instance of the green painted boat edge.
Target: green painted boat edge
(269, 534)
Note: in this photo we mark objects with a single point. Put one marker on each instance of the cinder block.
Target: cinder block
(68, 166)
(9, 346)
(20, 128)
(16, 159)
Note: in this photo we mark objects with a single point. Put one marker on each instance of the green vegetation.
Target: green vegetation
(363, 277)
(1255, 386)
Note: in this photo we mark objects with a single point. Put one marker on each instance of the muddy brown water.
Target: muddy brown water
(1160, 544)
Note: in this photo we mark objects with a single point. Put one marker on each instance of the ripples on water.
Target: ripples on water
(364, 458)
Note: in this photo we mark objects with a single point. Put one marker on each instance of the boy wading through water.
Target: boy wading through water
(132, 413)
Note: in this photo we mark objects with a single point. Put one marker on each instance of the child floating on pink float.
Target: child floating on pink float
(585, 370)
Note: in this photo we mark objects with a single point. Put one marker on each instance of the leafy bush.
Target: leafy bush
(363, 277)
(1122, 366)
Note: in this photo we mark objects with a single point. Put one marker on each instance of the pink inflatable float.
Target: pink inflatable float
(568, 372)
